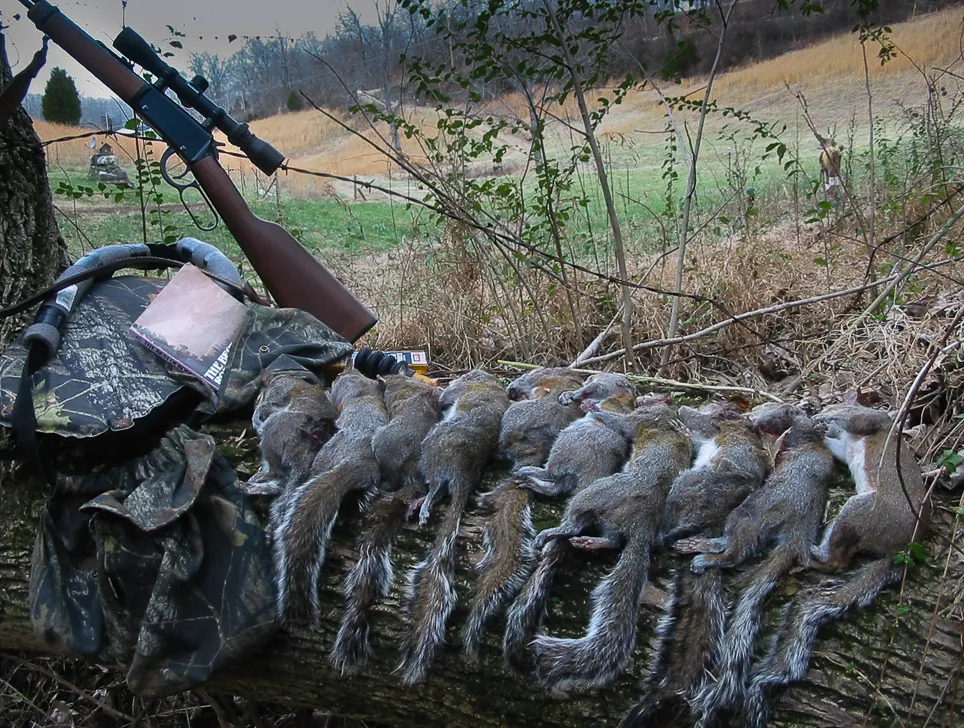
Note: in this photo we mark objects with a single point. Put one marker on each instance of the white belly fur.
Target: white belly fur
(853, 451)
(706, 451)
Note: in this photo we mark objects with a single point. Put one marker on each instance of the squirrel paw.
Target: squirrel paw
(699, 564)
(688, 546)
(701, 545)
(414, 506)
(567, 398)
(589, 405)
(679, 427)
(592, 543)
(253, 487)
(818, 554)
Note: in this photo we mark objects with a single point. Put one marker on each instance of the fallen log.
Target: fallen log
(898, 663)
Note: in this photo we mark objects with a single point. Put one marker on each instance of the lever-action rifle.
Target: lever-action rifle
(291, 274)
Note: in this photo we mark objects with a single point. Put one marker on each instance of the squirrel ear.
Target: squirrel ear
(851, 396)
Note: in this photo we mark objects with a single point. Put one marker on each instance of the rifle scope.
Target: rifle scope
(191, 94)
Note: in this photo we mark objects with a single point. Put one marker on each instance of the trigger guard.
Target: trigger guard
(168, 153)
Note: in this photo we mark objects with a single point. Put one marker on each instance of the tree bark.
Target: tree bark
(32, 251)
(840, 689)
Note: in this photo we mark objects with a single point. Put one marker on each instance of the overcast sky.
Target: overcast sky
(197, 19)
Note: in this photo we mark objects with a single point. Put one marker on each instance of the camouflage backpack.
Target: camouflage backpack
(148, 553)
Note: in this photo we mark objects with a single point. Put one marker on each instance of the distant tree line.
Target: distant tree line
(94, 111)
(268, 74)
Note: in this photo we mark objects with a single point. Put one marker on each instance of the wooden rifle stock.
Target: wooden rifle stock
(292, 275)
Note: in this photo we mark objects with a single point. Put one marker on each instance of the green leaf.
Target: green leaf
(820, 261)
(917, 552)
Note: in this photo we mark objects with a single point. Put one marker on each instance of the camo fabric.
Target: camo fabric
(289, 336)
(101, 380)
(159, 564)
(148, 554)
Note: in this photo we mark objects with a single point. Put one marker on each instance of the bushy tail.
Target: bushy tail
(529, 609)
(597, 658)
(687, 635)
(301, 538)
(507, 563)
(430, 594)
(371, 578)
(735, 649)
(788, 658)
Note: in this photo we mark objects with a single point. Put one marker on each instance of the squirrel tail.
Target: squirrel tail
(686, 636)
(508, 559)
(788, 658)
(735, 649)
(371, 578)
(529, 609)
(302, 535)
(597, 658)
(430, 593)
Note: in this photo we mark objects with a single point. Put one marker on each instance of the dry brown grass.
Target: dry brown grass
(830, 73)
(930, 40)
(75, 154)
(441, 299)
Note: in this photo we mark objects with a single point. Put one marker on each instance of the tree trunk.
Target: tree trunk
(32, 250)
(840, 689)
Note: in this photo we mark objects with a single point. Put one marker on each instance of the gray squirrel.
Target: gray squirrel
(786, 511)
(454, 454)
(624, 509)
(413, 409)
(293, 418)
(529, 428)
(730, 462)
(345, 463)
(887, 512)
(586, 450)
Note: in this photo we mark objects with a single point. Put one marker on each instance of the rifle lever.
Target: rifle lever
(175, 182)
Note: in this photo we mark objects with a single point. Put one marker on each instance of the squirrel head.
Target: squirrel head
(706, 420)
(399, 388)
(351, 384)
(543, 383)
(774, 419)
(604, 386)
(653, 399)
(855, 419)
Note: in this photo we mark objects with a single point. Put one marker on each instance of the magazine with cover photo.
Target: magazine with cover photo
(192, 324)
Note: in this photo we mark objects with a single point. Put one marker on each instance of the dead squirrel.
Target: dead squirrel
(294, 418)
(586, 450)
(625, 509)
(730, 462)
(413, 409)
(454, 454)
(345, 463)
(786, 511)
(880, 520)
(529, 427)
